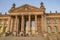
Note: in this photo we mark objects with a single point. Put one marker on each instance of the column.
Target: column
(36, 23)
(45, 22)
(22, 24)
(17, 24)
(45, 26)
(15, 27)
(29, 24)
(3, 27)
(11, 25)
(42, 23)
(9, 22)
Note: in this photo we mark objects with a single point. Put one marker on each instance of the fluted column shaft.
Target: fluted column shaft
(36, 23)
(3, 27)
(29, 24)
(42, 24)
(11, 25)
(45, 25)
(16, 26)
(22, 24)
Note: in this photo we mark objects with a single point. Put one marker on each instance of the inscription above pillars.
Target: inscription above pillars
(22, 24)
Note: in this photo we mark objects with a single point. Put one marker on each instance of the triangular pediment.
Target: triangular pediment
(25, 8)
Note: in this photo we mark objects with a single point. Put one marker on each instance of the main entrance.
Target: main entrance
(30, 24)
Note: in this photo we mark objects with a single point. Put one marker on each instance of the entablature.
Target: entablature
(27, 13)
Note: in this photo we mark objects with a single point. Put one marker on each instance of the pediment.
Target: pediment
(25, 8)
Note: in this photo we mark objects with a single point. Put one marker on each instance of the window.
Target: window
(48, 21)
(55, 29)
(49, 29)
(6, 21)
(54, 21)
(25, 8)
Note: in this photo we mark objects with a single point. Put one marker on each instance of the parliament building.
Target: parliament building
(28, 20)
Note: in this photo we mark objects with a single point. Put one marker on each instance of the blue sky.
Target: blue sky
(50, 5)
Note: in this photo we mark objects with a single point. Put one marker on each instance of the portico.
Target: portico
(27, 24)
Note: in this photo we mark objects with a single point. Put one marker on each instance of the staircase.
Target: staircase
(21, 38)
(38, 37)
(34, 37)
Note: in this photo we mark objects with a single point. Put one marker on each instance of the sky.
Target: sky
(50, 5)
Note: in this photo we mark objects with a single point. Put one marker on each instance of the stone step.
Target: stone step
(22, 38)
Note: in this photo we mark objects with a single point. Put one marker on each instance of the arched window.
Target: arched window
(55, 29)
(49, 29)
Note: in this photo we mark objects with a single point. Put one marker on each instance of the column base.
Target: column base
(14, 33)
(36, 33)
(25, 34)
(21, 33)
(28, 34)
(3, 35)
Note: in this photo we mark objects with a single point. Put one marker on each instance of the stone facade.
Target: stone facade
(28, 20)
